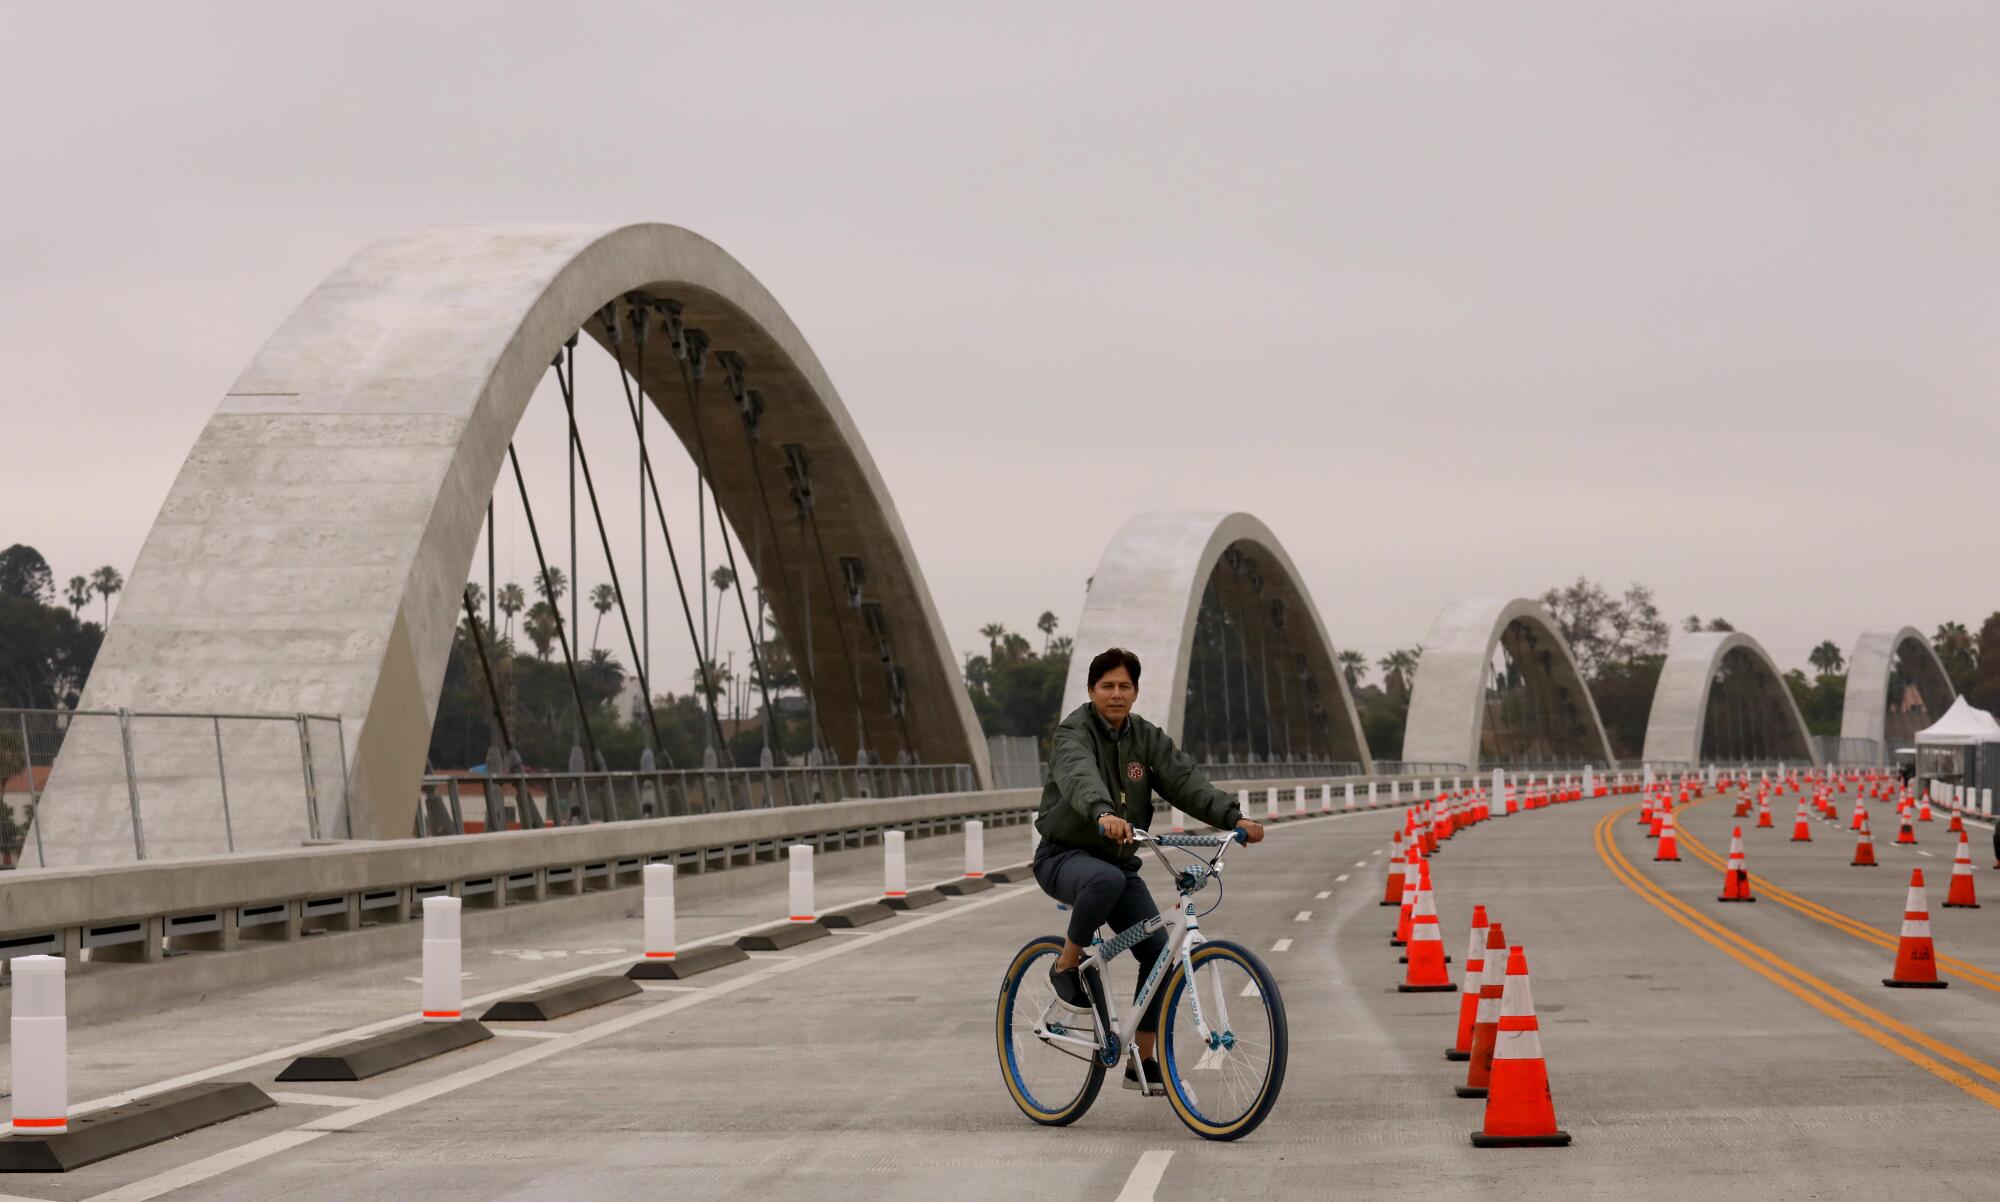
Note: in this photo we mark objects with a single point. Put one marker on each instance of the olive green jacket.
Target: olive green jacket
(1095, 771)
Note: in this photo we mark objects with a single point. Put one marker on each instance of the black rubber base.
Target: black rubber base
(1397, 903)
(556, 1001)
(779, 936)
(1736, 899)
(103, 1134)
(1892, 983)
(1013, 874)
(1961, 905)
(1469, 1091)
(850, 917)
(915, 899)
(1876, 864)
(687, 963)
(1406, 959)
(1395, 942)
(1453, 1054)
(377, 1054)
(1447, 987)
(1555, 1139)
(965, 885)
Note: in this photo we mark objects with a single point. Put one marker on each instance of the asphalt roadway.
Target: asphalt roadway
(1695, 1049)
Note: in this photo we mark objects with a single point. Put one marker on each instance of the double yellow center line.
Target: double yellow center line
(1968, 1073)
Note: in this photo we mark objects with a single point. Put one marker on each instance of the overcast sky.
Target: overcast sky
(1457, 298)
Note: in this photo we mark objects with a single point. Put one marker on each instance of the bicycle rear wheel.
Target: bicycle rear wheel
(1053, 1082)
(1223, 1084)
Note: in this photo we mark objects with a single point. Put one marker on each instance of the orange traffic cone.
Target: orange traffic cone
(1864, 849)
(1916, 960)
(1411, 871)
(1392, 889)
(1486, 1020)
(1801, 833)
(1906, 833)
(1961, 896)
(1957, 826)
(1646, 810)
(1468, 1002)
(1860, 815)
(1924, 810)
(1669, 848)
(1764, 811)
(1520, 1111)
(1742, 806)
(1735, 877)
(1427, 973)
(1660, 813)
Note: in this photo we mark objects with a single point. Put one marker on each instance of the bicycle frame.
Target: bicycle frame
(1185, 926)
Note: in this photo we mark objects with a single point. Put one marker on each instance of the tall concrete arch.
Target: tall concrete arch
(1147, 596)
(311, 553)
(1450, 699)
(1880, 655)
(1678, 727)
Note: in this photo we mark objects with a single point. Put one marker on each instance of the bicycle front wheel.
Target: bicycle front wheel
(1223, 1041)
(1046, 1051)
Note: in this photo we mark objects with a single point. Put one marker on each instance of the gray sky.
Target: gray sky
(1457, 298)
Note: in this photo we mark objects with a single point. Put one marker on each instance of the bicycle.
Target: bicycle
(1053, 1060)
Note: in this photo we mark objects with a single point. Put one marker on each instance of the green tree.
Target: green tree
(1353, 665)
(78, 595)
(107, 582)
(602, 598)
(45, 653)
(722, 580)
(1047, 625)
(1957, 651)
(476, 595)
(24, 573)
(1827, 658)
(541, 628)
(992, 632)
(1398, 668)
(555, 586)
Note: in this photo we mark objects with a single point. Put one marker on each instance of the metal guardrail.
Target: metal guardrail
(184, 752)
(476, 803)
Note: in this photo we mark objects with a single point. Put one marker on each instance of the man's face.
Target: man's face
(1113, 695)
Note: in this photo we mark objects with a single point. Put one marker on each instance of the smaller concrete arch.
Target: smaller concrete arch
(1881, 655)
(1678, 730)
(1157, 583)
(1449, 700)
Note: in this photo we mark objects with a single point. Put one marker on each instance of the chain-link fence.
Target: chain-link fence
(147, 785)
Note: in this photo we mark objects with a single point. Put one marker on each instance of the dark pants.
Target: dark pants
(1100, 893)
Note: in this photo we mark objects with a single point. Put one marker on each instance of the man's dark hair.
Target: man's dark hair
(1117, 657)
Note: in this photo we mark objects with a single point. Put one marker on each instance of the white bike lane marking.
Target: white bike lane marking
(1145, 1178)
(194, 1172)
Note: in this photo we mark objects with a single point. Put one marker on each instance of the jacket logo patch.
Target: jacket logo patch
(1134, 771)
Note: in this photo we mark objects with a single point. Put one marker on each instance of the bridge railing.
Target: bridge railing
(203, 756)
(475, 803)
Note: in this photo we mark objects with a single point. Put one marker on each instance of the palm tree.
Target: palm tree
(554, 586)
(1047, 625)
(1397, 667)
(1954, 646)
(475, 594)
(1353, 665)
(723, 579)
(107, 581)
(511, 601)
(541, 627)
(79, 594)
(719, 676)
(1826, 658)
(1062, 646)
(993, 632)
(602, 598)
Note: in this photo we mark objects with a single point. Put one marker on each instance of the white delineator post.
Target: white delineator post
(1271, 803)
(1589, 782)
(441, 960)
(975, 848)
(1326, 799)
(895, 878)
(40, 1048)
(1299, 800)
(802, 882)
(1371, 794)
(659, 911)
(1177, 821)
(1350, 794)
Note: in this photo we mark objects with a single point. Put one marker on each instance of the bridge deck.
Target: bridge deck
(862, 1065)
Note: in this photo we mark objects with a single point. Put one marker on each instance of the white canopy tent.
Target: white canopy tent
(1964, 724)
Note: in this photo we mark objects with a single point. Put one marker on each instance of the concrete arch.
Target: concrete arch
(310, 555)
(1877, 655)
(1448, 698)
(1677, 725)
(1146, 595)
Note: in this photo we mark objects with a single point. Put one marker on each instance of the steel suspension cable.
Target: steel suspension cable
(555, 610)
(568, 386)
(486, 670)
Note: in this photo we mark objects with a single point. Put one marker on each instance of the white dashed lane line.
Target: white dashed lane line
(1323, 894)
(1282, 945)
(1304, 916)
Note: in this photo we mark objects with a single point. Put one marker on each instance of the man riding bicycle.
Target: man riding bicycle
(1105, 764)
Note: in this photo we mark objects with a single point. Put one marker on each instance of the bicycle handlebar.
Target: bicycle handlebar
(1190, 840)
